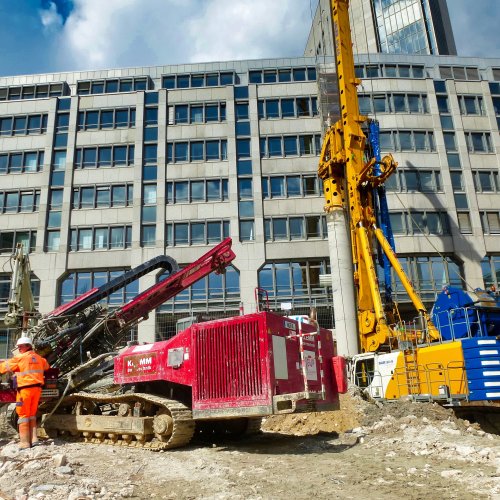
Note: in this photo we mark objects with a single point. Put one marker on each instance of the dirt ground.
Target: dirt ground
(392, 451)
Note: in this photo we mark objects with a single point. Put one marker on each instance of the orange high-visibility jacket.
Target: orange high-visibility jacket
(28, 367)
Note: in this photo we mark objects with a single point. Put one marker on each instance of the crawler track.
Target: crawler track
(182, 429)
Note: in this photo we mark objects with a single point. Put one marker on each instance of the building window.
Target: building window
(471, 105)
(197, 80)
(197, 191)
(207, 112)
(76, 283)
(486, 181)
(443, 104)
(464, 223)
(459, 73)
(207, 150)
(37, 91)
(419, 222)
(197, 233)
(114, 195)
(428, 275)
(21, 162)
(148, 235)
(450, 142)
(27, 200)
(104, 156)
(5, 283)
(129, 84)
(490, 222)
(393, 103)
(490, 267)
(247, 230)
(291, 228)
(282, 146)
(100, 238)
(389, 71)
(296, 280)
(23, 125)
(479, 142)
(290, 107)
(407, 140)
(423, 181)
(10, 239)
(291, 186)
(93, 119)
(53, 241)
(283, 75)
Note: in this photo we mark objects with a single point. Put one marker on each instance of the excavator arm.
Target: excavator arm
(21, 311)
(67, 333)
(349, 183)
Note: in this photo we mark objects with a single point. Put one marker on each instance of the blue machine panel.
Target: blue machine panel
(484, 395)
(480, 342)
(484, 373)
(482, 384)
(482, 352)
(485, 362)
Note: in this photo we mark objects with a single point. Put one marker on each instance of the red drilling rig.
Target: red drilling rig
(217, 377)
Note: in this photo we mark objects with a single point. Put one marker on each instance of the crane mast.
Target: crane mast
(349, 182)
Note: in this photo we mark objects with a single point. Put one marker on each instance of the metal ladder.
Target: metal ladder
(411, 369)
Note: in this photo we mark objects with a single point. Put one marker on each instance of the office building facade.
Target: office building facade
(103, 170)
(387, 26)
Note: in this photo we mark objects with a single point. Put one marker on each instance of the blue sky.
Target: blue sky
(43, 36)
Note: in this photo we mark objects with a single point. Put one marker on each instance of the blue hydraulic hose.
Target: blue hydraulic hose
(382, 208)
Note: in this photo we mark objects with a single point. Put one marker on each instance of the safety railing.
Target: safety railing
(457, 324)
(461, 322)
(430, 382)
(435, 382)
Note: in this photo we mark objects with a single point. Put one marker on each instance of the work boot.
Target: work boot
(24, 436)
(34, 435)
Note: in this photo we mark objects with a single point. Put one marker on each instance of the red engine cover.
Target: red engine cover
(238, 365)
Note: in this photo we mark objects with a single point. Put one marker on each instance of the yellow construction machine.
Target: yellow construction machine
(389, 357)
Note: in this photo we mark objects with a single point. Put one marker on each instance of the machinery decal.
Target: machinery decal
(140, 364)
(311, 368)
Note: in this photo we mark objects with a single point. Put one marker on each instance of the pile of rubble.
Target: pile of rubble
(396, 450)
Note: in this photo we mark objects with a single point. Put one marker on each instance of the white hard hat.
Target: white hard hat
(24, 341)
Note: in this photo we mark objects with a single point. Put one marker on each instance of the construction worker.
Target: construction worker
(29, 369)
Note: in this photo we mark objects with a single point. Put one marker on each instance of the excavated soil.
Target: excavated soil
(382, 451)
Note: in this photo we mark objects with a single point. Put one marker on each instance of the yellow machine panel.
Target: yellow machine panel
(438, 372)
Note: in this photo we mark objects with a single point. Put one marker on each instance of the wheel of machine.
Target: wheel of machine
(124, 409)
(163, 426)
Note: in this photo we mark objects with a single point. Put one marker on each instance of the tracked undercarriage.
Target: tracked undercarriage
(136, 420)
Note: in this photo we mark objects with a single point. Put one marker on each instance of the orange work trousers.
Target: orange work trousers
(27, 400)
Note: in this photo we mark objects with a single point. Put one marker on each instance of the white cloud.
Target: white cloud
(118, 33)
(229, 29)
(51, 20)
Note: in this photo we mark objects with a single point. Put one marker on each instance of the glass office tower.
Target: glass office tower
(388, 26)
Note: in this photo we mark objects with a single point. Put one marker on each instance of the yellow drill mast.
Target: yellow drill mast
(348, 184)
